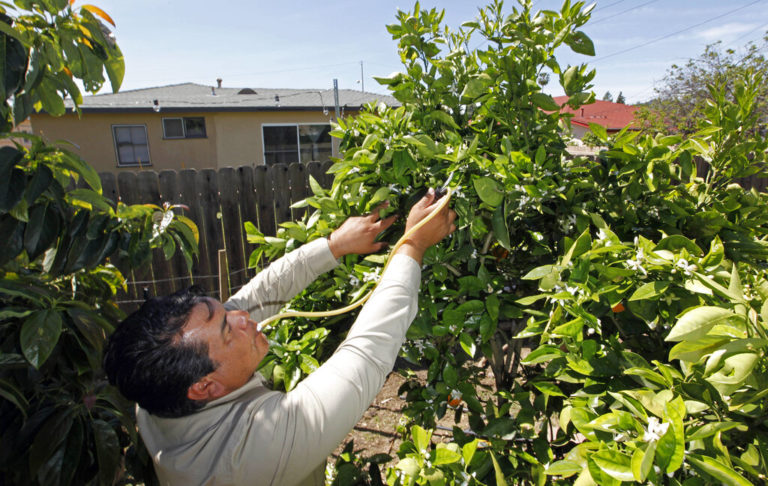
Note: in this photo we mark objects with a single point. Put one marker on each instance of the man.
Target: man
(189, 362)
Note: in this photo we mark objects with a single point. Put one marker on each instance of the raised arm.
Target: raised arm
(284, 278)
(309, 422)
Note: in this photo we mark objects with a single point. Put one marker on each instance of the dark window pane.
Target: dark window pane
(173, 128)
(131, 144)
(194, 127)
(315, 142)
(280, 144)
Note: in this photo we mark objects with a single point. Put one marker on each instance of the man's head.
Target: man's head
(178, 352)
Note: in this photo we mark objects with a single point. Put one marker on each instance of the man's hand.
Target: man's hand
(357, 234)
(440, 226)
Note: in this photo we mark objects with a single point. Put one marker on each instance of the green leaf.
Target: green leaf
(409, 466)
(564, 468)
(538, 273)
(642, 461)
(549, 389)
(468, 451)
(722, 473)
(544, 101)
(696, 323)
(650, 290)
(315, 186)
(600, 131)
(580, 43)
(500, 229)
(710, 429)
(107, 451)
(421, 438)
(614, 464)
(308, 364)
(443, 118)
(489, 191)
(500, 481)
(444, 454)
(474, 88)
(39, 336)
(467, 344)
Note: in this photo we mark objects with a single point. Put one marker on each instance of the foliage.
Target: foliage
(62, 262)
(45, 46)
(620, 98)
(647, 354)
(681, 99)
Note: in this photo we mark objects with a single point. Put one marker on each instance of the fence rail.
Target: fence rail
(220, 202)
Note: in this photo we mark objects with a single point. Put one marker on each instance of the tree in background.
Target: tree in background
(682, 95)
(620, 99)
(607, 96)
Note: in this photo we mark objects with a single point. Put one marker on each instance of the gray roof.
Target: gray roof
(198, 97)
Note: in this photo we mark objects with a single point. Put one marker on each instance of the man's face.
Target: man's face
(235, 344)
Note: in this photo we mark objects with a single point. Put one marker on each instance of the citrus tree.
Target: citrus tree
(65, 250)
(617, 300)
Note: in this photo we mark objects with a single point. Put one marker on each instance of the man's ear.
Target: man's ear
(205, 389)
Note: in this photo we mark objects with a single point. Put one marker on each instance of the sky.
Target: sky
(305, 44)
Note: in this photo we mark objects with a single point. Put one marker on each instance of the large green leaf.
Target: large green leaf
(42, 230)
(544, 101)
(722, 473)
(650, 290)
(580, 43)
(614, 464)
(697, 322)
(39, 336)
(489, 191)
(107, 451)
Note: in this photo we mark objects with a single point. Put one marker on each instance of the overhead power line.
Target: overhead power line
(622, 12)
(667, 36)
(602, 7)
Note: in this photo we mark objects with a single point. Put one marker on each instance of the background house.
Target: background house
(613, 116)
(197, 126)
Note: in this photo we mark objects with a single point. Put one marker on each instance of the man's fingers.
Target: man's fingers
(386, 222)
(374, 215)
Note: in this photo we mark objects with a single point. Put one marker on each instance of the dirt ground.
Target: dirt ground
(376, 433)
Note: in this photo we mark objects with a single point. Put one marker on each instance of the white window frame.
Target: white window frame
(298, 144)
(117, 151)
(183, 127)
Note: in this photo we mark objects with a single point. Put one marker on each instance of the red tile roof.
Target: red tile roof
(613, 116)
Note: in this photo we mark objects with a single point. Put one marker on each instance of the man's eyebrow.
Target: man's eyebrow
(224, 324)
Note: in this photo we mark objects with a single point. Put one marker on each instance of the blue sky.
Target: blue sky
(306, 44)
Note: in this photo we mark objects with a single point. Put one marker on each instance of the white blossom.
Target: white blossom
(655, 429)
(687, 269)
(354, 281)
(372, 276)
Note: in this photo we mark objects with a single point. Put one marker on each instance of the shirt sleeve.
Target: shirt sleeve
(306, 424)
(277, 284)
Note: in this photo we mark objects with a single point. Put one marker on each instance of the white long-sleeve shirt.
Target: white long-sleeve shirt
(256, 436)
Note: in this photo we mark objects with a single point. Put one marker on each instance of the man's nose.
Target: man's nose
(239, 319)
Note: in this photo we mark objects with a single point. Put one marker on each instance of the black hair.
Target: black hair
(149, 363)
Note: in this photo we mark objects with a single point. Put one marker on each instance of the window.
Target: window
(296, 143)
(131, 145)
(187, 127)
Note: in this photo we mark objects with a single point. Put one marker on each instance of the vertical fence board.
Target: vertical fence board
(327, 179)
(297, 176)
(282, 193)
(233, 226)
(170, 193)
(262, 182)
(190, 198)
(128, 189)
(208, 198)
(249, 210)
(109, 186)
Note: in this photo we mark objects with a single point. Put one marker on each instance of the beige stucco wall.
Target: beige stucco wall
(233, 138)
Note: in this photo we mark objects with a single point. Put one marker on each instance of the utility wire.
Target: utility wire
(621, 13)
(601, 7)
(667, 36)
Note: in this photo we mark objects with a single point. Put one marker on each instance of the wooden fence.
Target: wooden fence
(220, 202)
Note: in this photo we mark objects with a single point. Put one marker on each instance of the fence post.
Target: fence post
(223, 276)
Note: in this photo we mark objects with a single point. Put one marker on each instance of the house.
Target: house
(197, 126)
(613, 116)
